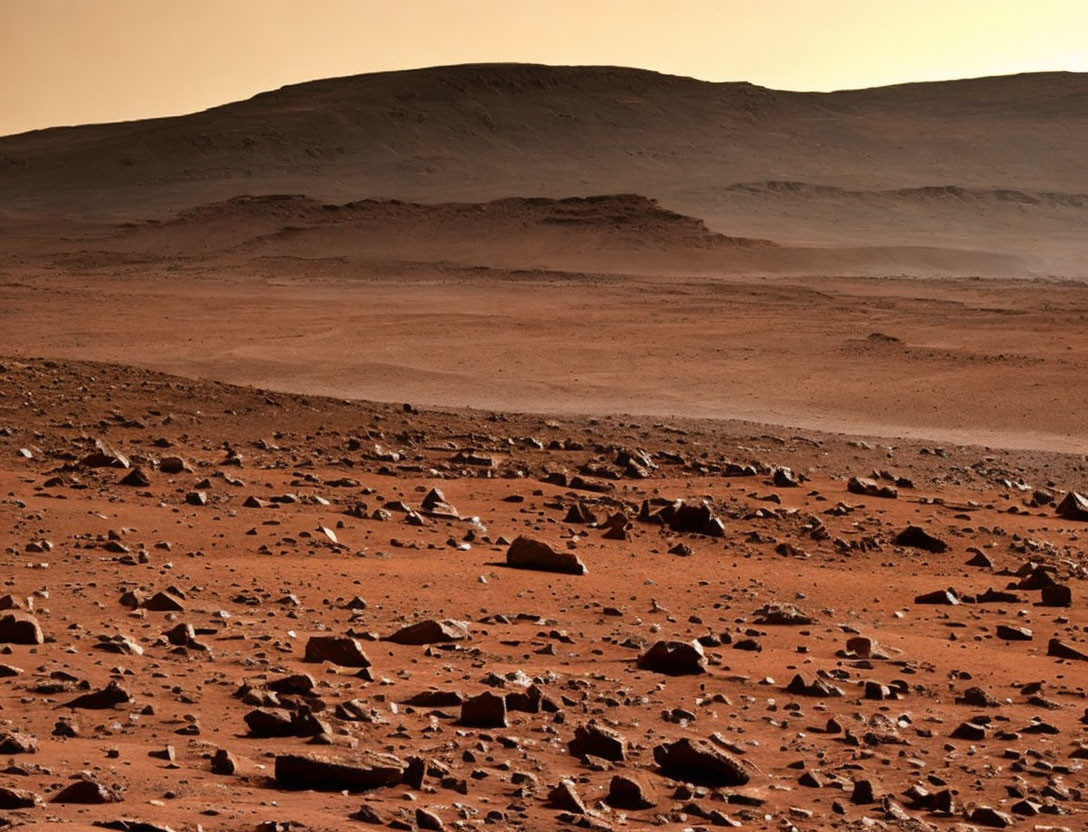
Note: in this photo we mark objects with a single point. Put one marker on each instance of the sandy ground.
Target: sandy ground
(257, 582)
(984, 361)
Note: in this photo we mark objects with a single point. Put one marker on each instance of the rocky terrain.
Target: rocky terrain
(227, 608)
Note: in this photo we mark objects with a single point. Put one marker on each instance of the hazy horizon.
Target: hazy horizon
(150, 58)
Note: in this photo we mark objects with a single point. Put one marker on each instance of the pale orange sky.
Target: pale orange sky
(78, 61)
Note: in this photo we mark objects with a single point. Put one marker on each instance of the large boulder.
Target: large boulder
(20, 628)
(430, 632)
(485, 710)
(1073, 507)
(697, 761)
(340, 650)
(918, 538)
(594, 740)
(674, 658)
(526, 553)
(321, 773)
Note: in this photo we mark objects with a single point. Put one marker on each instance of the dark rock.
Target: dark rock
(18, 799)
(700, 762)
(596, 740)
(485, 710)
(918, 538)
(361, 773)
(631, 792)
(431, 632)
(110, 696)
(674, 658)
(565, 797)
(20, 628)
(223, 762)
(88, 792)
(1060, 650)
(339, 650)
(526, 553)
(1073, 507)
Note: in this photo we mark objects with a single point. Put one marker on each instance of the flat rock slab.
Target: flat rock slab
(321, 773)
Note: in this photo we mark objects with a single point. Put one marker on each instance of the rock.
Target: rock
(110, 696)
(674, 658)
(104, 456)
(428, 820)
(785, 478)
(163, 602)
(320, 773)
(196, 498)
(136, 478)
(87, 792)
(698, 761)
(871, 488)
(565, 797)
(18, 799)
(223, 762)
(339, 650)
(1056, 595)
(173, 465)
(818, 688)
(1004, 631)
(977, 698)
(918, 538)
(435, 699)
(526, 553)
(431, 632)
(12, 742)
(270, 722)
(630, 792)
(863, 793)
(947, 597)
(970, 731)
(20, 628)
(435, 505)
(980, 559)
(781, 614)
(861, 646)
(1060, 650)
(1073, 506)
(485, 710)
(985, 816)
(693, 518)
(596, 740)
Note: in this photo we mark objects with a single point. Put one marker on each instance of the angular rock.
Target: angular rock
(1060, 650)
(87, 792)
(596, 740)
(1073, 506)
(340, 650)
(526, 553)
(565, 797)
(20, 628)
(18, 799)
(430, 632)
(12, 742)
(110, 696)
(485, 710)
(320, 773)
(136, 478)
(674, 658)
(631, 792)
(918, 538)
(698, 761)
